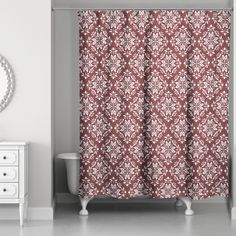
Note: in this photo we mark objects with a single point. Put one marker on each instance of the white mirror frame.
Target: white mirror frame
(6, 98)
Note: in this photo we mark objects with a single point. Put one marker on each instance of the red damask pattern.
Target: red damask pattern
(154, 103)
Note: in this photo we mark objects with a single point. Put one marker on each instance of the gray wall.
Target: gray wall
(66, 67)
(66, 90)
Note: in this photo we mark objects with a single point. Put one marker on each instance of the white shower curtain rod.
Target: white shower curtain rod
(140, 9)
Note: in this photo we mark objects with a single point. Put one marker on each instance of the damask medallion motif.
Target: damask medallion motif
(154, 103)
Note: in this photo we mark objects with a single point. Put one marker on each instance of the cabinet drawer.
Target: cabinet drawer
(8, 174)
(8, 190)
(8, 157)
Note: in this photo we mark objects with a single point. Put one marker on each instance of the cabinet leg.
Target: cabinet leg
(21, 213)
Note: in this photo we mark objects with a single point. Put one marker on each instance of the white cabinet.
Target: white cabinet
(8, 174)
(8, 157)
(14, 175)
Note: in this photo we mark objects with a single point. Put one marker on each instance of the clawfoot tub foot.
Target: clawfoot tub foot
(188, 202)
(178, 202)
(84, 202)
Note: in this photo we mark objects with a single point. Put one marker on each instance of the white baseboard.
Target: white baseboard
(233, 213)
(41, 213)
(11, 212)
(67, 198)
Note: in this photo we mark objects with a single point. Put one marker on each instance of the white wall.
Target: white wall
(25, 40)
(66, 69)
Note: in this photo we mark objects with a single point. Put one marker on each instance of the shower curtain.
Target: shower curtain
(154, 103)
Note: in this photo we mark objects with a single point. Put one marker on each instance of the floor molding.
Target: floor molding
(11, 212)
(233, 213)
(66, 198)
(41, 213)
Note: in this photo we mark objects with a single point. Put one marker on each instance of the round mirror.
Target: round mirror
(7, 83)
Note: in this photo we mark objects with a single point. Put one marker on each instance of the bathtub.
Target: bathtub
(72, 162)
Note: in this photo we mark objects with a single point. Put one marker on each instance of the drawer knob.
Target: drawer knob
(4, 174)
(4, 190)
(4, 157)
